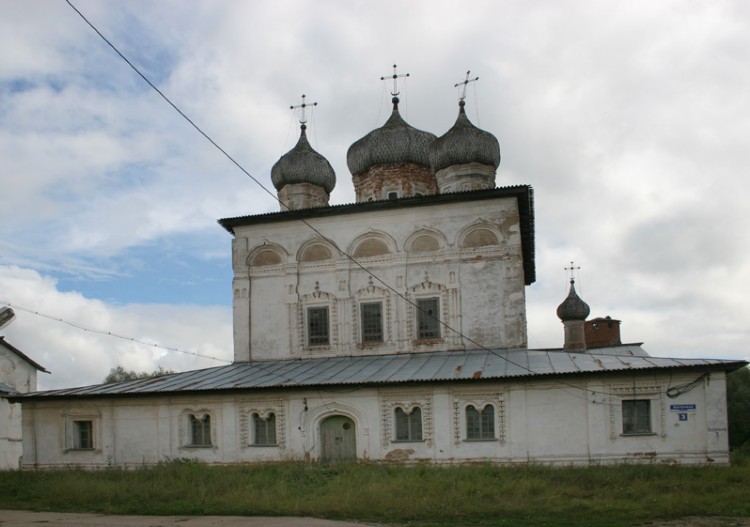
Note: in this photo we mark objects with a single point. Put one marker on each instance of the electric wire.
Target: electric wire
(111, 334)
(305, 222)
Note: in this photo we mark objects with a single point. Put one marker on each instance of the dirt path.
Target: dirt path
(12, 518)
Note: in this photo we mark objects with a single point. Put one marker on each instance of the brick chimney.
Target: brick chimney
(600, 332)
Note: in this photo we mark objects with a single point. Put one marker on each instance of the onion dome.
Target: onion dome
(573, 308)
(395, 142)
(302, 164)
(464, 143)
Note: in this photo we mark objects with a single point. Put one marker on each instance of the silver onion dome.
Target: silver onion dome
(302, 164)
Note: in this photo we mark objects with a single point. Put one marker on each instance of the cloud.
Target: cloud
(75, 356)
(630, 120)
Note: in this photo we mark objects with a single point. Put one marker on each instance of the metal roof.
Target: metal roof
(444, 366)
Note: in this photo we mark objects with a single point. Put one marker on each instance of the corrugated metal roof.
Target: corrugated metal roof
(441, 366)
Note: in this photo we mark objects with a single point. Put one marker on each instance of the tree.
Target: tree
(120, 374)
(738, 407)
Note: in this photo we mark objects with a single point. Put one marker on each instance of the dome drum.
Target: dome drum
(397, 180)
(295, 196)
(465, 177)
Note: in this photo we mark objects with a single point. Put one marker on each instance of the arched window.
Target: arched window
(408, 426)
(424, 243)
(266, 257)
(371, 247)
(480, 426)
(479, 238)
(264, 430)
(316, 252)
(200, 430)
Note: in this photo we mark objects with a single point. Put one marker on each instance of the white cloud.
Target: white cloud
(630, 119)
(79, 357)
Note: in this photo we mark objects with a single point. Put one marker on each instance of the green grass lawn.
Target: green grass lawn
(422, 495)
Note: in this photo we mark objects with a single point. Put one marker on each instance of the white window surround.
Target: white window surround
(479, 400)
(185, 431)
(425, 290)
(407, 401)
(371, 294)
(263, 409)
(316, 299)
(72, 430)
(651, 391)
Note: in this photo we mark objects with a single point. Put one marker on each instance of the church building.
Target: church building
(393, 329)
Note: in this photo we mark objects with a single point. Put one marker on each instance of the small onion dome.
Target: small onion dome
(302, 164)
(464, 143)
(573, 308)
(395, 142)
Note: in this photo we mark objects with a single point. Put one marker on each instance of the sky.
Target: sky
(630, 119)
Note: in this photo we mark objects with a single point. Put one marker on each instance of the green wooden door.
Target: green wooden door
(337, 440)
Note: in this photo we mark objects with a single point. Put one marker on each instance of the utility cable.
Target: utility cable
(308, 224)
(110, 334)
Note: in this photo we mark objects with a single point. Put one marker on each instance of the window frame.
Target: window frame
(633, 419)
(267, 430)
(368, 336)
(200, 431)
(408, 427)
(315, 337)
(481, 426)
(428, 325)
(83, 434)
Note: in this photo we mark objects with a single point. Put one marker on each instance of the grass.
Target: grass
(422, 495)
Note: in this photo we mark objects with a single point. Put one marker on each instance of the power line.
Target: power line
(302, 220)
(111, 334)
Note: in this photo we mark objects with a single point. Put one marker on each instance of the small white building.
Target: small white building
(17, 375)
(393, 329)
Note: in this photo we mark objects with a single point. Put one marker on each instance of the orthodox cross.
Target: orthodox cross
(395, 77)
(465, 82)
(302, 107)
(572, 270)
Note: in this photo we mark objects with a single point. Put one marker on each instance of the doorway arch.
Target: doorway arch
(338, 440)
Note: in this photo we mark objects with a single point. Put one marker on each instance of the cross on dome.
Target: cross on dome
(465, 83)
(572, 270)
(395, 78)
(302, 107)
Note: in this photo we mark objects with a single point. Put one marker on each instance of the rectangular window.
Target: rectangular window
(372, 322)
(480, 426)
(636, 416)
(409, 426)
(428, 318)
(84, 435)
(317, 326)
(265, 430)
(200, 430)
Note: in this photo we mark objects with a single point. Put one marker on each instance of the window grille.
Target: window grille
(480, 425)
(428, 318)
(200, 430)
(265, 430)
(372, 322)
(409, 426)
(636, 416)
(317, 326)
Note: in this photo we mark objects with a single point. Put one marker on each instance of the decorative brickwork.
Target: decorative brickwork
(407, 402)
(404, 179)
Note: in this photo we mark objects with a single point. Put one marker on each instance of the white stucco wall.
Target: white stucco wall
(481, 289)
(541, 420)
(21, 376)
